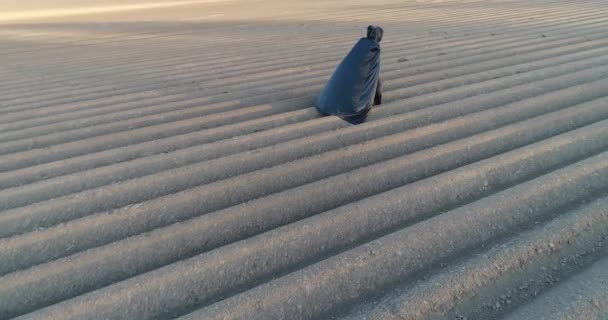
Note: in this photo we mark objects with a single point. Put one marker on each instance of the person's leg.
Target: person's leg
(378, 96)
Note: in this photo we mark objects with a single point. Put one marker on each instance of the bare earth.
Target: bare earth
(161, 159)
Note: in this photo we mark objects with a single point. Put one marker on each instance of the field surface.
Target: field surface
(163, 159)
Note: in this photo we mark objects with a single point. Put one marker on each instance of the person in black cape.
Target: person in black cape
(355, 85)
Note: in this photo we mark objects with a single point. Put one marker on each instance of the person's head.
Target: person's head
(375, 33)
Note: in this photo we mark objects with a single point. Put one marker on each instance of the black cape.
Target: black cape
(350, 90)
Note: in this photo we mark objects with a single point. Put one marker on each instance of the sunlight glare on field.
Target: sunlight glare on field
(18, 15)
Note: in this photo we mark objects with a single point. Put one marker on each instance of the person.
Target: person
(355, 85)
